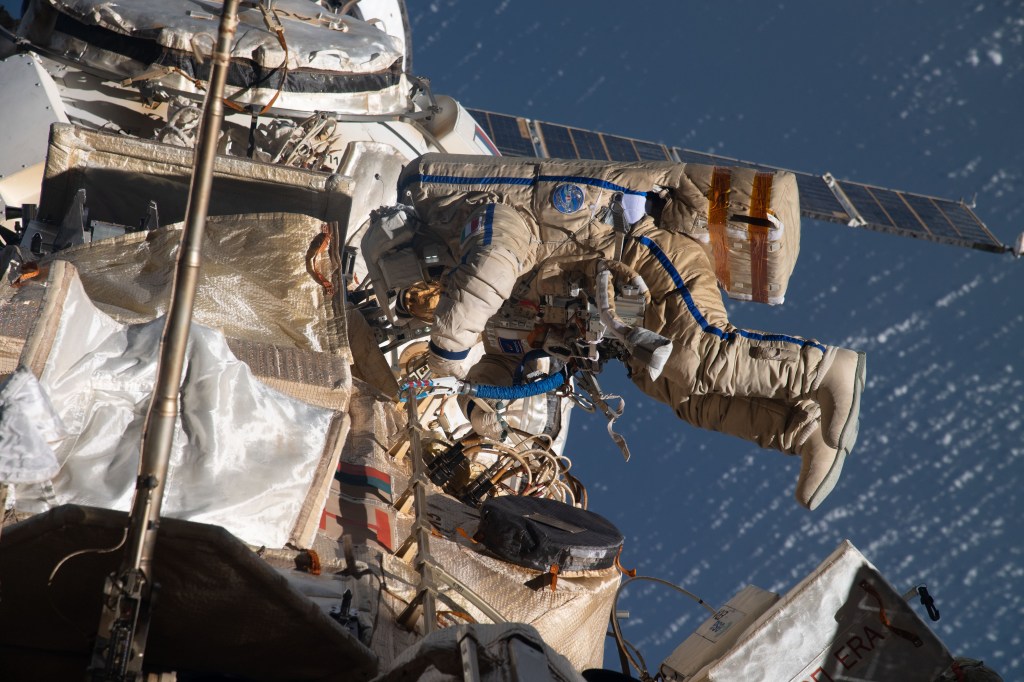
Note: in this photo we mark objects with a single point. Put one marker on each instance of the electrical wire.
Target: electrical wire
(60, 564)
(624, 645)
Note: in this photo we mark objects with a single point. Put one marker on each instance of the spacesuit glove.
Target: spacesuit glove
(634, 207)
(486, 422)
(442, 367)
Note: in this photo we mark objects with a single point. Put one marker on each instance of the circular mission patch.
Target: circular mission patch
(567, 198)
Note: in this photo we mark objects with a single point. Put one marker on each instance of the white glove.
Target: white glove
(634, 207)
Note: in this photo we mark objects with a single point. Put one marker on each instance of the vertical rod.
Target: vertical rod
(419, 488)
(158, 433)
(124, 622)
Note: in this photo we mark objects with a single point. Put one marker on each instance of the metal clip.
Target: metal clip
(589, 383)
(424, 387)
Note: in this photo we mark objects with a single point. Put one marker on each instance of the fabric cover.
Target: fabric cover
(254, 282)
(121, 175)
(244, 456)
(222, 611)
(330, 63)
(28, 425)
(831, 627)
(438, 657)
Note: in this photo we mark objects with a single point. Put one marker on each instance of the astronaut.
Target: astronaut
(506, 233)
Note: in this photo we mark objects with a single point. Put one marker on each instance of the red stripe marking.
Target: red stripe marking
(360, 470)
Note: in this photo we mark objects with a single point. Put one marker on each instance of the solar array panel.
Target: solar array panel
(513, 133)
(821, 197)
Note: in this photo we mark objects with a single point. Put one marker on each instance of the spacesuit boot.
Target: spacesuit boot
(821, 466)
(837, 390)
(824, 451)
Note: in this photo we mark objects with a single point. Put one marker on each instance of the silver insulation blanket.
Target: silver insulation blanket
(28, 424)
(254, 284)
(244, 456)
(295, 57)
(316, 39)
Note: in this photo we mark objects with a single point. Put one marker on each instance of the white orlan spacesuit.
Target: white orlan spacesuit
(519, 229)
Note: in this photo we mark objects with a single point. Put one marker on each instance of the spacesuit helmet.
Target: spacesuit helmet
(419, 300)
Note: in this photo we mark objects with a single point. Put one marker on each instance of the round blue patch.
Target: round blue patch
(567, 198)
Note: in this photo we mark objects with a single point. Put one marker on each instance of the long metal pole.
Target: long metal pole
(424, 603)
(158, 433)
(124, 621)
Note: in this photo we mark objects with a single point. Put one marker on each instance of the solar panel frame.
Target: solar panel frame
(707, 158)
(651, 151)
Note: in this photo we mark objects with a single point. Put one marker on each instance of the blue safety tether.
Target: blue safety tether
(548, 383)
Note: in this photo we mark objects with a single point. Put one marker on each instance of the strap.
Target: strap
(448, 354)
(757, 235)
(718, 218)
(273, 24)
(30, 270)
(630, 572)
(905, 634)
(316, 249)
(619, 223)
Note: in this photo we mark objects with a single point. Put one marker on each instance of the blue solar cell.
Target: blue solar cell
(588, 144)
(818, 201)
(931, 216)
(506, 132)
(557, 141)
(620, 148)
(964, 220)
(897, 210)
(866, 205)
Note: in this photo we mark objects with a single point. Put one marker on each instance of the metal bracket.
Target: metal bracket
(856, 219)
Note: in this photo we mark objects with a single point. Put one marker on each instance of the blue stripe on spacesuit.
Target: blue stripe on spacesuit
(706, 326)
(593, 182)
(448, 354)
(497, 180)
